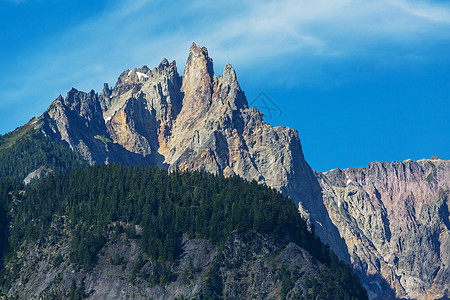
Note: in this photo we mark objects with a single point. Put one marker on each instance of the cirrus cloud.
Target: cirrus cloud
(253, 34)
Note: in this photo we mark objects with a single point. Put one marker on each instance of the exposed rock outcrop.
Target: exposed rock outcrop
(394, 218)
(251, 267)
(36, 174)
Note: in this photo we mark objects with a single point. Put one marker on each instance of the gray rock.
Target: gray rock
(251, 270)
(37, 174)
(394, 218)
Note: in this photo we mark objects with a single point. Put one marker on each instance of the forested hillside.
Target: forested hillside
(25, 149)
(101, 202)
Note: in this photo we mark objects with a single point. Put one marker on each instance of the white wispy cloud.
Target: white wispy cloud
(439, 13)
(254, 33)
(241, 32)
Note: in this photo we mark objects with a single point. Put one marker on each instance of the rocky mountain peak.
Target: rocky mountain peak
(106, 89)
(196, 122)
(228, 90)
(58, 101)
(165, 64)
(435, 157)
(84, 104)
(197, 83)
(198, 66)
(200, 54)
(229, 75)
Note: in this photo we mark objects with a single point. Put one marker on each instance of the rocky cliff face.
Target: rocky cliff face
(202, 122)
(195, 122)
(250, 267)
(394, 218)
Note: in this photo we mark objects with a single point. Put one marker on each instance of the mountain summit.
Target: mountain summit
(374, 218)
(195, 122)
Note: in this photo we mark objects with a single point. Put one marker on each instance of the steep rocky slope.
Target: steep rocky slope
(258, 274)
(394, 218)
(200, 121)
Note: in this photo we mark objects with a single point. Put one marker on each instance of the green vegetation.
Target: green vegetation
(58, 261)
(25, 150)
(11, 138)
(85, 246)
(7, 195)
(286, 282)
(137, 267)
(117, 260)
(77, 292)
(103, 139)
(430, 177)
(166, 205)
(213, 283)
(325, 287)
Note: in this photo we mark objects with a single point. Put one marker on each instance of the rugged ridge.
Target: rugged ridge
(195, 122)
(200, 121)
(394, 218)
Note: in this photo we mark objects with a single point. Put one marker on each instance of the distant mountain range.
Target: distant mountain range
(390, 221)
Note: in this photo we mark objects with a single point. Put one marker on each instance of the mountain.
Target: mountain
(394, 218)
(115, 232)
(195, 122)
(202, 122)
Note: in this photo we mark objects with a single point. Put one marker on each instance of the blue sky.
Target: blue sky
(361, 80)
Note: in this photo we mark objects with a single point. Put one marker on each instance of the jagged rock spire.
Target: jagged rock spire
(228, 91)
(197, 82)
(198, 64)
